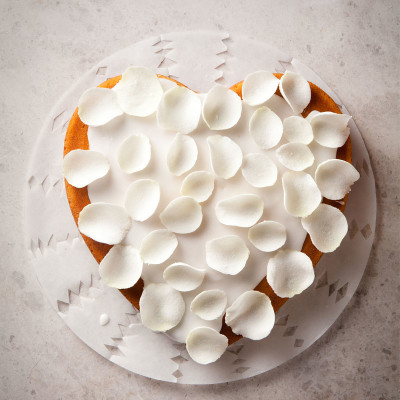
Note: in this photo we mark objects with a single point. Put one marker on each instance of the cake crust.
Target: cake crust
(76, 138)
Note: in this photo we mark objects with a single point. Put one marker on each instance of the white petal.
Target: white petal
(158, 246)
(225, 155)
(210, 304)
(330, 129)
(301, 195)
(182, 154)
(161, 307)
(295, 156)
(134, 153)
(335, 177)
(189, 321)
(81, 167)
(182, 215)
(297, 129)
(121, 267)
(141, 199)
(295, 90)
(227, 254)
(279, 106)
(205, 345)
(251, 315)
(97, 106)
(266, 128)
(241, 210)
(290, 272)
(179, 110)
(259, 170)
(199, 185)
(258, 87)
(105, 223)
(222, 108)
(327, 227)
(267, 235)
(139, 91)
(167, 84)
(311, 115)
(183, 277)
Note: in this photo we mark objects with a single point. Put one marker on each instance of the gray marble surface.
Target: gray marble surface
(45, 46)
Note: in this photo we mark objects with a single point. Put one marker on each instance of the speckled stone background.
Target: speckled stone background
(45, 46)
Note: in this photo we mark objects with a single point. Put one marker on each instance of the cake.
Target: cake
(292, 158)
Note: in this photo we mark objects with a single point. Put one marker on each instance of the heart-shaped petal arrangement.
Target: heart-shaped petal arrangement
(188, 223)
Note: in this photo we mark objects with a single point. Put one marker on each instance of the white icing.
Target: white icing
(191, 249)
